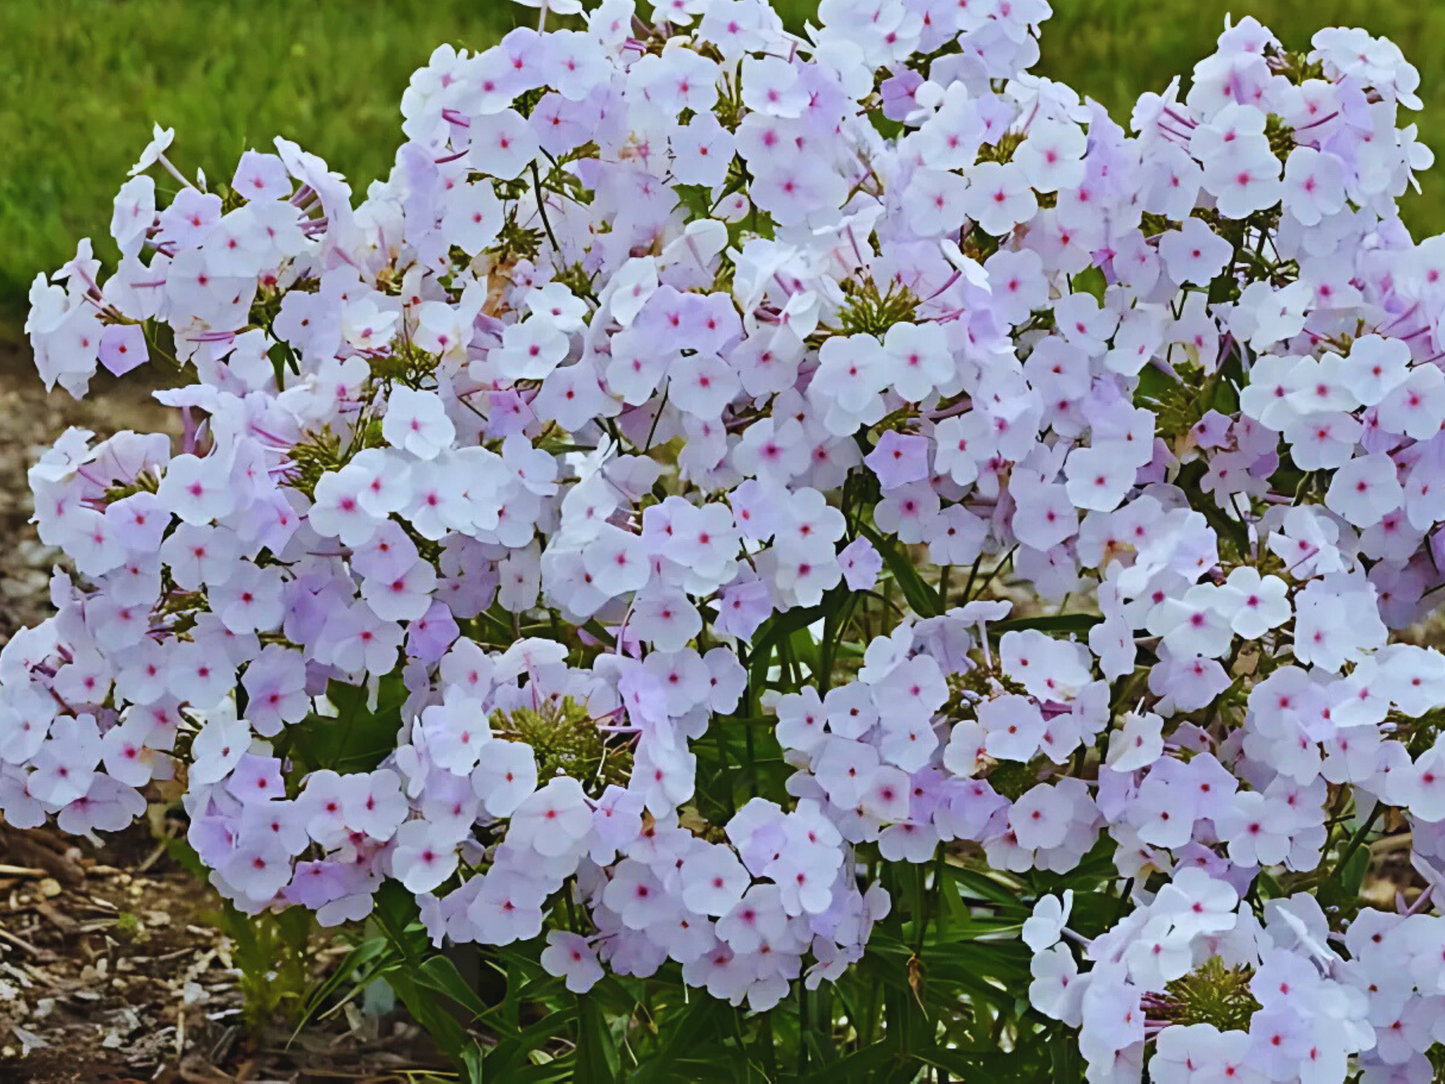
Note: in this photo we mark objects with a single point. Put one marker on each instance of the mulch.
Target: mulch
(111, 971)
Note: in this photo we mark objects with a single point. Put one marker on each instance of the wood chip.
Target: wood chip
(1402, 842)
(152, 858)
(21, 871)
(42, 977)
(19, 976)
(61, 921)
(28, 1039)
(22, 944)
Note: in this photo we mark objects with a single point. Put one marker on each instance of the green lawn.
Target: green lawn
(83, 79)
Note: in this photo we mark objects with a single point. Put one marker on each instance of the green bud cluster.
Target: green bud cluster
(577, 279)
(1012, 780)
(1297, 67)
(1152, 225)
(407, 363)
(1280, 136)
(516, 242)
(565, 740)
(1211, 994)
(1003, 150)
(311, 457)
(868, 311)
(145, 482)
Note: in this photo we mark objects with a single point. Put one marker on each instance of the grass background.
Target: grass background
(82, 80)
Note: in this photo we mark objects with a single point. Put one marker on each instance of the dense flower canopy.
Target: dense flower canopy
(1038, 488)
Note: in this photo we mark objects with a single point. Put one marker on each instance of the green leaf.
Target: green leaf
(472, 1063)
(1352, 875)
(184, 854)
(282, 358)
(499, 1063)
(1269, 888)
(1229, 529)
(428, 1011)
(866, 1064)
(805, 649)
(1090, 281)
(908, 1023)
(396, 913)
(781, 626)
(373, 948)
(1066, 623)
(703, 1016)
(596, 1057)
(596, 631)
(696, 198)
(552, 1072)
(1065, 1064)
(953, 914)
(1153, 385)
(994, 973)
(983, 887)
(358, 738)
(922, 598)
(1225, 398)
(983, 1065)
(440, 974)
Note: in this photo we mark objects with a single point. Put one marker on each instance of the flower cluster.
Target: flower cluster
(1037, 489)
(1226, 995)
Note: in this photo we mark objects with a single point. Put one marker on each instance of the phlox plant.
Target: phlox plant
(819, 555)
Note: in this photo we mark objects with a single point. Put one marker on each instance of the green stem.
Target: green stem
(972, 575)
(725, 769)
(921, 894)
(803, 1028)
(834, 629)
(542, 209)
(1357, 840)
(996, 570)
(765, 1032)
(752, 762)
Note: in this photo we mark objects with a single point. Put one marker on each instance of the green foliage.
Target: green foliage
(357, 738)
(1211, 994)
(1436, 1054)
(272, 952)
(1012, 778)
(1066, 624)
(1003, 150)
(564, 738)
(128, 927)
(1090, 281)
(923, 598)
(870, 311)
(316, 453)
(945, 979)
(1176, 404)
